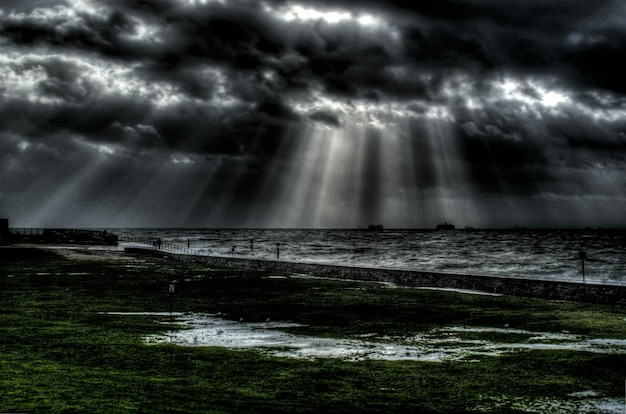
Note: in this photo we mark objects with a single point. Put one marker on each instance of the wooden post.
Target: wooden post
(171, 291)
(583, 255)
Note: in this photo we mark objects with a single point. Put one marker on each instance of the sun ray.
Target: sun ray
(399, 207)
(281, 199)
(454, 195)
(53, 211)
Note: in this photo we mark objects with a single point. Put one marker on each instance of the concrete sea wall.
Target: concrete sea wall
(526, 287)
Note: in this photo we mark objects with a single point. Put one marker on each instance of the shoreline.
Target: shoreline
(533, 287)
(551, 289)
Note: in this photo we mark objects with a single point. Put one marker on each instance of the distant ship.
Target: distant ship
(445, 226)
(375, 227)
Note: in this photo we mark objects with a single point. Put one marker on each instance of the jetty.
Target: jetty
(60, 236)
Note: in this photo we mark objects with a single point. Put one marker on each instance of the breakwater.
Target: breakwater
(612, 293)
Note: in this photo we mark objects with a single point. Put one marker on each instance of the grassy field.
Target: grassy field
(61, 352)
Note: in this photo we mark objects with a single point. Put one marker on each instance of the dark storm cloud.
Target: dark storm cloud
(79, 31)
(234, 78)
(503, 160)
(64, 81)
(238, 37)
(571, 40)
(326, 117)
(478, 37)
(575, 41)
(436, 40)
(26, 5)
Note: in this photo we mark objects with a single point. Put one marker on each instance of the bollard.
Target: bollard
(171, 291)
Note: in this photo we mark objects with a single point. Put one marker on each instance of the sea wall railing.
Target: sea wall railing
(160, 245)
(188, 253)
(614, 293)
(194, 254)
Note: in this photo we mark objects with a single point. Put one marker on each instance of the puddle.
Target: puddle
(438, 345)
(392, 285)
(208, 330)
(442, 344)
(582, 404)
(467, 291)
(177, 314)
(541, 340)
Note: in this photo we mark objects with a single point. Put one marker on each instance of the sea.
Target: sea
(546, 254)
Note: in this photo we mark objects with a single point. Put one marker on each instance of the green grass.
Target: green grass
(60, 353)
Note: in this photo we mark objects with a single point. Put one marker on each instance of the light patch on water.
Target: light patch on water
(437, 345)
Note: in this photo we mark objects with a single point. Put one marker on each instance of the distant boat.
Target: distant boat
(375, 227)
(445, 226)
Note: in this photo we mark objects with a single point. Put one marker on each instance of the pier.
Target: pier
(62, 236)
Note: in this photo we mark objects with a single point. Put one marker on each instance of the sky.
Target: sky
(313, 114)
